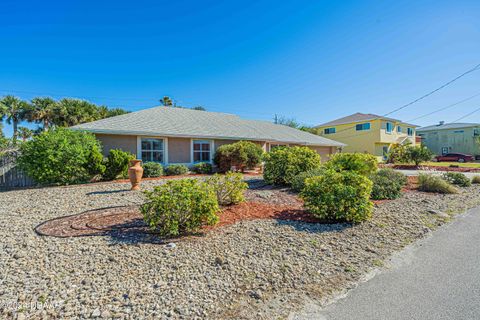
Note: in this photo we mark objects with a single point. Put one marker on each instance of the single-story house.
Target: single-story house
(171, 135)
(444, 138)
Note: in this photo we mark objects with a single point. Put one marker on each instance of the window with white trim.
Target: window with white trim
(152, 150)
(399, 129)
(201, 151)
(410, 131)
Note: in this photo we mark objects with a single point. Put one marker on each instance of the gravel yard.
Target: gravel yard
(258, 269)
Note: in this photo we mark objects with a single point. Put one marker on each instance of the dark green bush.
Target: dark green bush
(152, 170)
(342, 196)
(432, 183)
(457, 178)
(229, 188)
(62, 156)
(202, 168)
(241, 155)
(298, 182)
(387, 184)
(362, 163)
(176, 170)
(179, 207)
(117, 164)
(282, 164)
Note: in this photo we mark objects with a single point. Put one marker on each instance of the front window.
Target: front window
(362, 126)
(410, 131)
(329, 130)
(152, 150)
(201, 151)
(389, 127)
(399, 129)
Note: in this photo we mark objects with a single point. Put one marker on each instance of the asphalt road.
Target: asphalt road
(439, 278)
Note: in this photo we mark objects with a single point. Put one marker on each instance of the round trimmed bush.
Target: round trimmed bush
(117, 164)
(62, 156)
(229, 188)
(283, 163)
(387, 184)
(476, 179)
(241, 155)
(202, 168)
(342, 196)
(298, 182)
(152, 170)
(362, 163)
(180, 206)
(176, 170)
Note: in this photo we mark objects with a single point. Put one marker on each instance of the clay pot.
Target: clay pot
(135, 173)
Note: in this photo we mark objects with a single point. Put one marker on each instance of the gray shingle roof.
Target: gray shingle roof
(179, 122)
(356, 117)
(448, 126)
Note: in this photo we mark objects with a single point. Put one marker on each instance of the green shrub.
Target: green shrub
(229, 188)
(61, 156)
(176, 170)
(362, 163)
(298, 182)
(241, 155)
(202, 167)
(117, 164)
(340, 196)
(152, 170)
(432, 183)
(419, 154)
(180, 206)
(387, 184)
(457, 178)
(282, 164)
(476, 179)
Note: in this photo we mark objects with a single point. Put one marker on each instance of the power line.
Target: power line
(467, 115)
(444, 108)
(438, 89)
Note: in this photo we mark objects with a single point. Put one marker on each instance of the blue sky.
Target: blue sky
(310, 60)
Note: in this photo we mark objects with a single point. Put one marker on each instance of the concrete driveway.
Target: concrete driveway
(438, 278)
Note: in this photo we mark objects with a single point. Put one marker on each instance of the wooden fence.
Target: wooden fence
(10, 175)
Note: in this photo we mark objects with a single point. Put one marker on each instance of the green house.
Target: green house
(446, 138)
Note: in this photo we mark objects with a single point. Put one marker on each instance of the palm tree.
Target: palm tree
(25, 133)
(166, 101)
(14, 110)
(43, 111)
(71, 112)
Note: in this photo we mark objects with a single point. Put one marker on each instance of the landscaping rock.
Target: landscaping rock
(265, 268)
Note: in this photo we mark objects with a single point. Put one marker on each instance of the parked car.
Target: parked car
(457, 157)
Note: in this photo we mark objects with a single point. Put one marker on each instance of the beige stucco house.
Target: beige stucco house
(183, 136)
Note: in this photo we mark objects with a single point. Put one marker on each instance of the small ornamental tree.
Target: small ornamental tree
(362, 163)
(241, 155)
(282, 164)
(62, 156)
(418, 154)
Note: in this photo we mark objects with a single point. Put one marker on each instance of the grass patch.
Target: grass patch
(378, 263)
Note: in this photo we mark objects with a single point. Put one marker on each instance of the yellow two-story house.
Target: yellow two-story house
(368, 133)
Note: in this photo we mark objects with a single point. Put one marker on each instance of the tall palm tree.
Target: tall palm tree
(25, 133)
(71, 112)
(14, 110)
(166, 101)
(43, 111)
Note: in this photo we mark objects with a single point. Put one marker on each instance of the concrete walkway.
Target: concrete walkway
(438, 278)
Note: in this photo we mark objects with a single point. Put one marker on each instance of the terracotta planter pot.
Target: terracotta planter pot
(135, 173)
